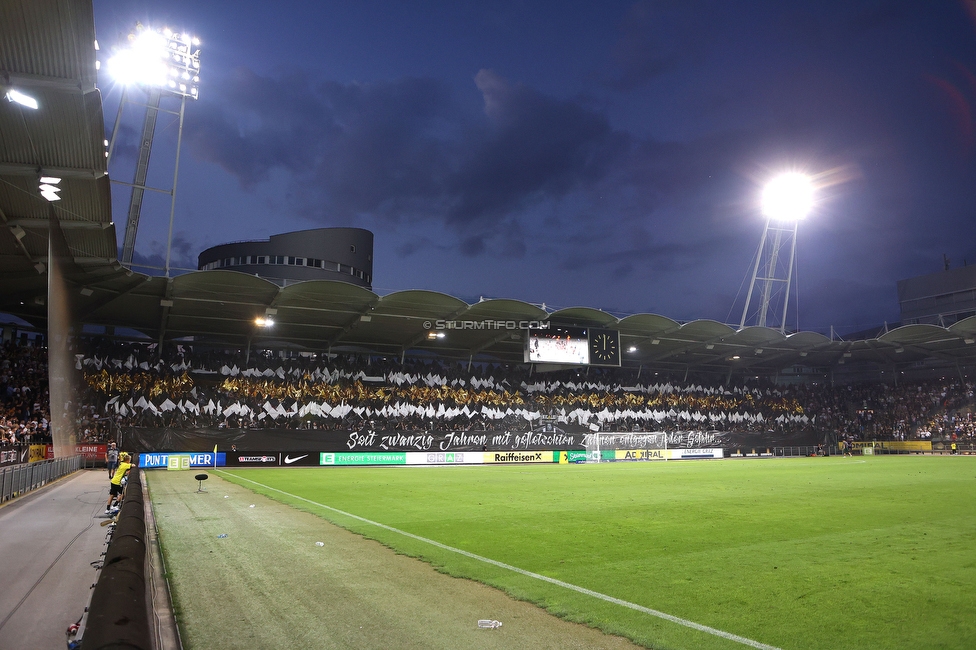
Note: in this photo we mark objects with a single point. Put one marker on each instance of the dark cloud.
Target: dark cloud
(404, 150)
(152, 256)
(646, 48)
(534, 147)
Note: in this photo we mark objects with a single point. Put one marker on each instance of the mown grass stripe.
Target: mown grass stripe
(583, 590)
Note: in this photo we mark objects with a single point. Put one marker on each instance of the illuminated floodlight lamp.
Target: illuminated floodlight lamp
(18, 97)
(788, 197)
(49, 188)
(160, 59)
(263, 322)
(435, 335)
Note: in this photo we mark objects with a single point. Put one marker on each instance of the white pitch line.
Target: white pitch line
(589, 592)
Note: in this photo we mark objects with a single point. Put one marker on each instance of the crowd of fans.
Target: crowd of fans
(224, 389)
(132, 385)
(24, 414)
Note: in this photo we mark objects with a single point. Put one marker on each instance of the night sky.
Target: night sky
(607, 154)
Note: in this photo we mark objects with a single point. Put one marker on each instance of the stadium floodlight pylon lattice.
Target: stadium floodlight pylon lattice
(604, 447)
(162, 62)
(786, 200)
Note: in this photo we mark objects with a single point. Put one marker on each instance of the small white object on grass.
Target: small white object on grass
(489, 624)
(226, 496)
(251, 506)
(320, 543)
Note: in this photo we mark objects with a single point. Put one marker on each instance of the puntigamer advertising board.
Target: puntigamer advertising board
(161, 460)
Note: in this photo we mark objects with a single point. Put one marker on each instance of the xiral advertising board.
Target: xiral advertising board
(37, 453)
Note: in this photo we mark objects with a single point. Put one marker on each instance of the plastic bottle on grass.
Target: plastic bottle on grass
(489, 624)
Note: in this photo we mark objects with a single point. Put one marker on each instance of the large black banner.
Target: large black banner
(140, 439)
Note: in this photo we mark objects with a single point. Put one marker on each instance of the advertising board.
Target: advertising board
(689, 454)
(444, 458)
(521, 457)
(160, 460)
(363, 458)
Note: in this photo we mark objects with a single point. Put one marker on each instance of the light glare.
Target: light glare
(788, 197)
(152, 58)
(21, 98)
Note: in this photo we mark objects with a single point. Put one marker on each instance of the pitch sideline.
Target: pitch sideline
(595, 594)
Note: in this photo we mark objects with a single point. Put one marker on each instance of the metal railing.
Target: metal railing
(16, 480)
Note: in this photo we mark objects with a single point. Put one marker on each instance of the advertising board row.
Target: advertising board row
(16, 454)
(187, 460)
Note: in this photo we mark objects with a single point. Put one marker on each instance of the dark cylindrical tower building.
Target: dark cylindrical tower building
(344, 254)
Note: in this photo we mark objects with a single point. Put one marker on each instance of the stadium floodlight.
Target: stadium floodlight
(18, 97)
(159, 59)
(786, 200)
(161, 62)
(263, 322)
(49, 188)
(788, 197)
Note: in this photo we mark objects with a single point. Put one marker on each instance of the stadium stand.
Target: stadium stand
(131, 385)
(24, 408)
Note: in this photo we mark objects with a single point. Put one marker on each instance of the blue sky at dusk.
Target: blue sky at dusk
(606, 154)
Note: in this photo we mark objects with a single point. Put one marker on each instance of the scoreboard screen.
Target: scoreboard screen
(558, 345)
(573, 345)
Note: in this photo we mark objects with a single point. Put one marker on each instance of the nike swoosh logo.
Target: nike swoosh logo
(289, 460)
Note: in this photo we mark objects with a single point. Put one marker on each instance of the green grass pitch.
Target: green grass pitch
(793, 553)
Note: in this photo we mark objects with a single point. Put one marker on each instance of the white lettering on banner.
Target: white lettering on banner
(530, 439)
(153, 460)
(459, 439)
(397, 440)
(364, 439)
(502, 440)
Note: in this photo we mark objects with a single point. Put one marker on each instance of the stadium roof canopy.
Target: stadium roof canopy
(47, 51)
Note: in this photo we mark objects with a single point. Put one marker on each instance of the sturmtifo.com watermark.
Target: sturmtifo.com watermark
(486, 325)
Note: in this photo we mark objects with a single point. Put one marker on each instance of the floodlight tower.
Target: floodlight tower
(786, 200)
(163, 63)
